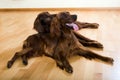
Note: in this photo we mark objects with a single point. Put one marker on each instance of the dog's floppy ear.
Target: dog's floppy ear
(42, 20)
(37, 25)
(55, 27)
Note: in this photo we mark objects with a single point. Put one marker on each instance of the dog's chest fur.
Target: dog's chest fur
(50, 44)
(66, 44)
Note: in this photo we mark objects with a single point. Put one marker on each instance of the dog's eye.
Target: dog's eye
(43, 22)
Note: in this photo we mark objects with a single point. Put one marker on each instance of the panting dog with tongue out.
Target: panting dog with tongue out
(68, 44)
(59, 43)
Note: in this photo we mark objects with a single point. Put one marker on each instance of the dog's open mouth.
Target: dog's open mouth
(73, 26)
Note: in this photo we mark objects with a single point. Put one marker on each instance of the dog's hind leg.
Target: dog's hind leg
(79, 36)
(24, 59)
(17, 55)
(87, 25)
(91, 55)
(90, 25)
(86, 41)
(91, 44)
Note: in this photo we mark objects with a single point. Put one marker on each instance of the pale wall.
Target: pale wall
(58, 3)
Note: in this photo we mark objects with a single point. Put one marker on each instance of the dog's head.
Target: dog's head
(67, 20)
(43, 22)
(62, 21)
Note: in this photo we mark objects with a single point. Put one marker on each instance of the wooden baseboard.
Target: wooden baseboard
(58, 9)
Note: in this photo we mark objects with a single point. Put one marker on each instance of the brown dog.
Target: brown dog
(60, 43)
(69, 45)
(43, 20)
(37, 45)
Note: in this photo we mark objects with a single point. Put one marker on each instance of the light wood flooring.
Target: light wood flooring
(16, 26)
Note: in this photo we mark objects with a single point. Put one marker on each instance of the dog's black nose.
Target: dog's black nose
(74, 17)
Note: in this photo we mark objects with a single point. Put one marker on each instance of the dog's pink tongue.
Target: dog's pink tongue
(75, 27)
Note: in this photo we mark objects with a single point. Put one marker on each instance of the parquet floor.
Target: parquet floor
(15, 26)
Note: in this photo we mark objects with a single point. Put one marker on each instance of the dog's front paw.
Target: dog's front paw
(25, 62)
(97, 45)
(96, 25)
(9, 64)
(69, 69)
(60, 66)
(109, 60)
(92, 25)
